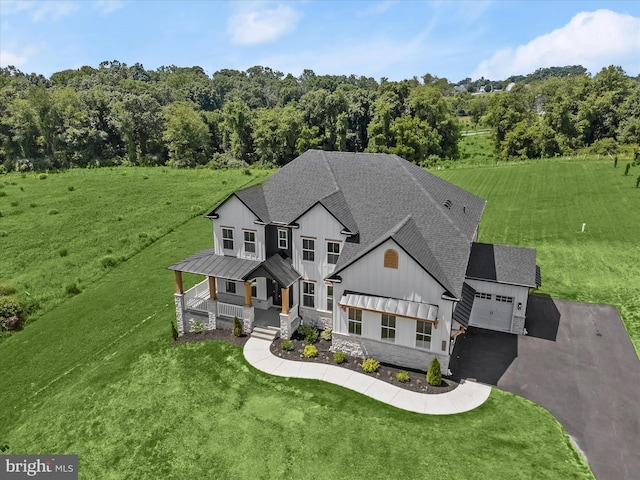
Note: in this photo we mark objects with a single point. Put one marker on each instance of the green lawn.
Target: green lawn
(543, 204)
(95, 376)
(58, 229)
(476, 150)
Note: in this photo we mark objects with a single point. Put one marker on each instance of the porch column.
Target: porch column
(212, 288)
(285, 301)
(247, 294)
(179, 289)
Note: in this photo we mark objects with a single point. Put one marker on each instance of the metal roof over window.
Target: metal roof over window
(390, 306)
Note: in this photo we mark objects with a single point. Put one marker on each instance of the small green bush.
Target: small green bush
(53, 211)
(11, 313)
(247, 171)
(310, 351)
(71, 188)
(145, 177)
(638, 182)
(33, 205)
(119, 218)
(3, 193)
(197, 327)
(287, 345)
(15, 203)
(626, 169)
(72, 289)
(143, 235)
(434, 375)
(370, 365)
(63, 252)
(42, 176)
(326, 335)
(339, 357)
(6, 289)
(108, 261)
(309, 333)
(236, 330)
(402, 377)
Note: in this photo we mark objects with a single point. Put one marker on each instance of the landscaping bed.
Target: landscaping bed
(387, 373)
(218, 334)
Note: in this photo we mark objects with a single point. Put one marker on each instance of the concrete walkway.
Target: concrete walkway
(465, 397)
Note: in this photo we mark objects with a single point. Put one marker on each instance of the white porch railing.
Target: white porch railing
(196, 297)
(293, 311)
(229, 310)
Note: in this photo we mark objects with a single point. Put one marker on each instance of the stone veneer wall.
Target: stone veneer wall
(398, 355)
(321, 320)
(518, 325)
(179, 300)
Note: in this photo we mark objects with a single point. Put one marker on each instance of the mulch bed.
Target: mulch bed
(417, 383)
(218, 334)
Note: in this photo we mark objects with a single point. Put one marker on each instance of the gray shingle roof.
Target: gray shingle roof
(503, 264)
(462, 312)
(372, 194)
(279, 268)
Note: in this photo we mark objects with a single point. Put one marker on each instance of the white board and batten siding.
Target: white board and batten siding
(494, 314)
(320, 226)
(235, 215)
(409, 281)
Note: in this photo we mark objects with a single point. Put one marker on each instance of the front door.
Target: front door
(277, 293)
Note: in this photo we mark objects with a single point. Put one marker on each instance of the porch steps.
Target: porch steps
(269, 333)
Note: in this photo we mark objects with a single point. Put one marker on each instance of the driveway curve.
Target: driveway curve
(578, 362)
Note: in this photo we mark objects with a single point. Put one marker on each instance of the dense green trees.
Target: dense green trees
(116, 114)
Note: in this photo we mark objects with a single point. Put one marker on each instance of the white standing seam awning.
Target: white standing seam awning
(391, 306)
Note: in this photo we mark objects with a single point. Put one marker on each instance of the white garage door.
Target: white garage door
(492, 311)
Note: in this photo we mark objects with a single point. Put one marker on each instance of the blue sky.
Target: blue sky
(393, 39)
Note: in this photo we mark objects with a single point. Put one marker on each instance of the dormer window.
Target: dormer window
(390, 259)
(283, 239)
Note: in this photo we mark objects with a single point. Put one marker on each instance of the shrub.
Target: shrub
(434, 375)
(71, 188)
(247, 171)
(615, 161)
(339, 357)
(3, 193)
(11, 313)
(108, 261)
(370, 365)
(53, 211)
(143, 235)
(402, 377)
(626, 169)
(197, 326)
(638, 181)
(236, 330)
(14, 203)
(33, 205)
(42, 176)
(326, 335)
(6, 289)
(309, 333)
(287, 345)
(63, 252)
(72, 289)
(310, 351)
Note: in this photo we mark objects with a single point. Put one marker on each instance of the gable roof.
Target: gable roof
(503, 264)
(377, 196)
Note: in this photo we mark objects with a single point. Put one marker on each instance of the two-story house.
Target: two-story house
(377, 249)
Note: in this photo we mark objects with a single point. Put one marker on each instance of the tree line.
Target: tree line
(119, 114)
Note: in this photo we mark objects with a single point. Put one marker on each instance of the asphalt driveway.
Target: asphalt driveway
(578, 362)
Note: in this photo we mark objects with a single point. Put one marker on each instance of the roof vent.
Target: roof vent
(464, 209)
(447, 203)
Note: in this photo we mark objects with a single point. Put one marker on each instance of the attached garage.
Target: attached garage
(501, 276)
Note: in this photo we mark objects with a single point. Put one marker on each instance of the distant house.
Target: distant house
(377, 249)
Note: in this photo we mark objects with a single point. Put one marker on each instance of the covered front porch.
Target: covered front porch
(257, 293)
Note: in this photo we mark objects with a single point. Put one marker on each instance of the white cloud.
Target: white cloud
(378, 9)
(591, 39)
(105, 7)
(261, 26)
(53, 10)
(19, 57)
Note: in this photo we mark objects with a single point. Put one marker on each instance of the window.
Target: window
(423, 335)
(283, 239)
(309, 294)
(249, 242)
(388, 332)
(330, 298)
(502, 298)
(390, 259)
(355, 321)
(486, 296)
(308, 249)
(227, 238)
(333, 252)
(254, 289)
(230, 287)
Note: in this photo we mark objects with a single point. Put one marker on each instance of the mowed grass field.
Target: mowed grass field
(543, 204)
(95, 375)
